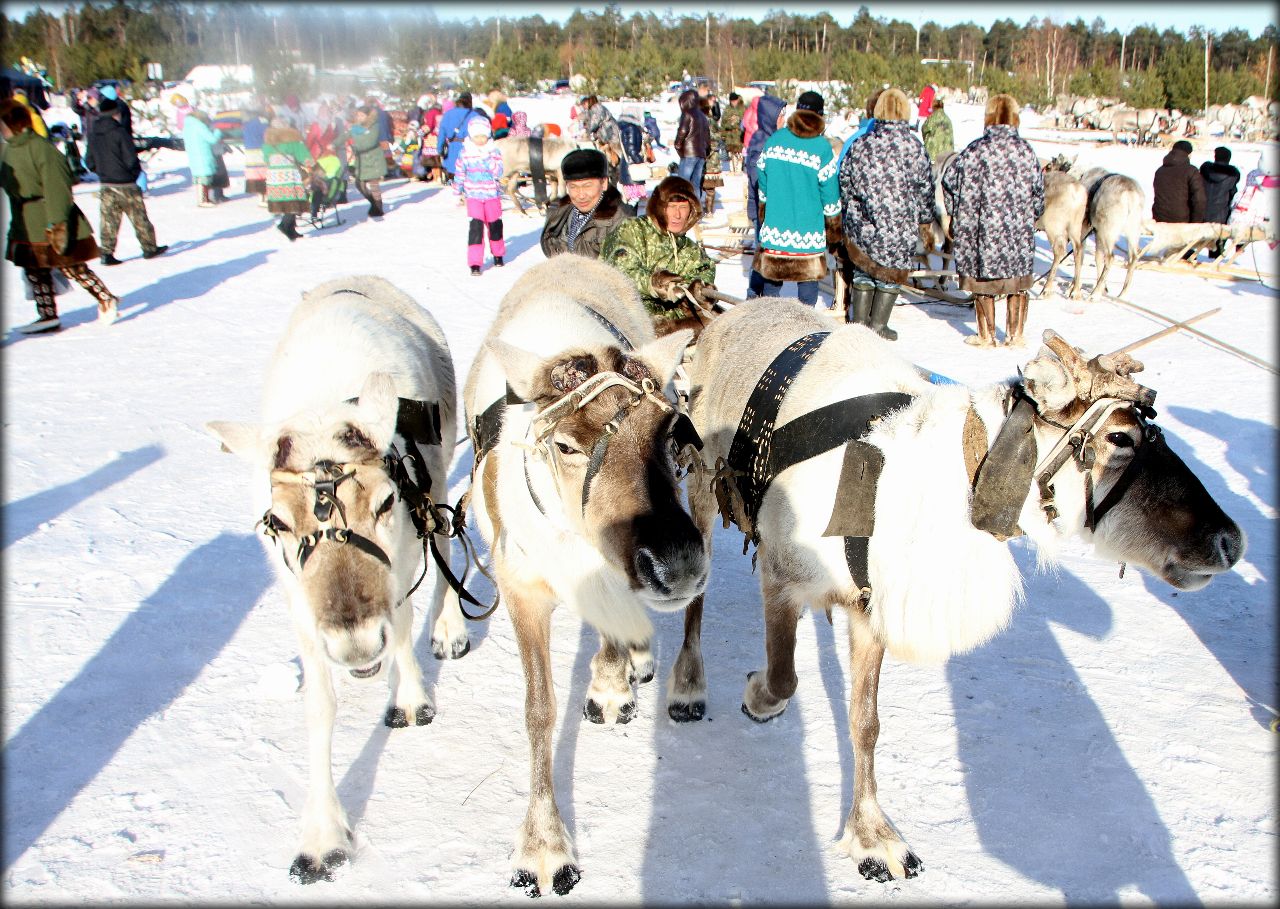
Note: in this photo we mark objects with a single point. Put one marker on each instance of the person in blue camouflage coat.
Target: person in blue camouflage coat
(886, 193)
(994, 191)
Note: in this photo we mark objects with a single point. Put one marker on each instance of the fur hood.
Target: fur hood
(670, 190)
(806, 124)
(281, 135)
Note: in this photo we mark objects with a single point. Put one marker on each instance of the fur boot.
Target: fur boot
(984, 308)
(1015, 320)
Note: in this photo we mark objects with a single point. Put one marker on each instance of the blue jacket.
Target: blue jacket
(199, 140)
(863, 128)
(768, 108)
(253, 130)
(453, 125)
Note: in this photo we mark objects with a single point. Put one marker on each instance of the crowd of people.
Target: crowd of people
(861, 206)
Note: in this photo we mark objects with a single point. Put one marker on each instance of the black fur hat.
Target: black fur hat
(584, 164)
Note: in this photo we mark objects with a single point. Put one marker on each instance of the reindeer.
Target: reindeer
(577, 492)
(516, 165)
(1116, 209)
(348, 462)
(1065, 205)
(932, 482)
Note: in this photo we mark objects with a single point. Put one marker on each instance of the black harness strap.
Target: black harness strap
(623, 341)
(821, 430)
(537, 171)
(1153, 443)
(750, 453)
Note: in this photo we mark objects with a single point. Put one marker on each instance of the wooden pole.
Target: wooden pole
(1266, 85)
(1199, 334)
(1165, 331)
(1207, 39)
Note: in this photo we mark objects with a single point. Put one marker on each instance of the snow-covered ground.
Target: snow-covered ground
(1111, 745)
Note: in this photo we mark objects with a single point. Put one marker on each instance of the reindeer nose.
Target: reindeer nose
(1230, 546)
(650, 571)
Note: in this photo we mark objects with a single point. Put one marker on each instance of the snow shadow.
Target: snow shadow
(22, 517)
(184, 183)
(518, 244)
(1234, 619)
(75, 735)
(1050, 790)
(188, 285)
(177, 247)
(731, 818)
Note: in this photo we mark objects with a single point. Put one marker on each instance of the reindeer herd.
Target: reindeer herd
(862, 484)
(1254, 120)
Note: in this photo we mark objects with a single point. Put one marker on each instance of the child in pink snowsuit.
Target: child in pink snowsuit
(477, 172)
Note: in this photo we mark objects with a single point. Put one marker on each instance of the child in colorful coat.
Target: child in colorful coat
(477, 171)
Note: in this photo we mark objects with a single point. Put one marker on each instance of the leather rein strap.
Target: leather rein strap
(537, 171)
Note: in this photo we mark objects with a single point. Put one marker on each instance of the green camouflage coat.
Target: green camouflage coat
(939, 138)
(639, 247)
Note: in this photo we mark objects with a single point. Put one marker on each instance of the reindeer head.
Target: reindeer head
(335, 520)
(1121, 485)
(609, 438)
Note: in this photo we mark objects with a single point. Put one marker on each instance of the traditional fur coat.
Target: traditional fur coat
(995, 192)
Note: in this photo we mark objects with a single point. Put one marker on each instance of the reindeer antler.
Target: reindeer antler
(1105, 376)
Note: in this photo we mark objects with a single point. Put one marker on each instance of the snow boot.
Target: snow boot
(882, 309)
(497, 262)
(1016, 320)
(984, 308)
(861, 292)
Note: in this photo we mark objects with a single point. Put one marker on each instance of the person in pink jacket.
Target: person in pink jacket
(478, 170)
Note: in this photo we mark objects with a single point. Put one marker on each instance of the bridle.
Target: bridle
(544, 422)
(1077, 444)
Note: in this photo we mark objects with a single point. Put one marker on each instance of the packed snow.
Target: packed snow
(1113, 745)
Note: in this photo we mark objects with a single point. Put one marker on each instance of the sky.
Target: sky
(1253, 17)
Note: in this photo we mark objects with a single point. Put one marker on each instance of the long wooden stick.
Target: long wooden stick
(1199, 334)
(1166, 331)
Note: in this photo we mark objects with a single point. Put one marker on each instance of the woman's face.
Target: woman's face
(679, 214)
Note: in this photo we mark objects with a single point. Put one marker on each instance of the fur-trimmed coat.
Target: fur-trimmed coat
(639, 247)
(287, 161)
(886, 193)
(37, 179)
(611, 212)
(796, 182)
(994, 191)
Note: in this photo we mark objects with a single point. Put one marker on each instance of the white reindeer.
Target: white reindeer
(577, 493)
(928, 485)
(1117, 206)
(348, 433)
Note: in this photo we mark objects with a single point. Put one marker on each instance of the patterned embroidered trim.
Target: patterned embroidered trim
(829, 171)
(791, 156)
(791, 239)
(832, 209)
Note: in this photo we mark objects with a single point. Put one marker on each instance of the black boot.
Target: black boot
(861, 292)
(881, 308)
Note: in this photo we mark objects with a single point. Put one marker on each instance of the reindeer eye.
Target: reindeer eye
(385, 506)
(275, 525)
(566, 450)
(1120, 439)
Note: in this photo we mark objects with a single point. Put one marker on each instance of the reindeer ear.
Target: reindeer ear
(1048, 381)
(664, 355)
(245, 440)
(378, 408)
(522, 368)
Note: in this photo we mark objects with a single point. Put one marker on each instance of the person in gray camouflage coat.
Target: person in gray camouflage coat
(994, 191)
(886, 193)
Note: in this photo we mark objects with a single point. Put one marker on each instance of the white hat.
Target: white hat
(478, 126)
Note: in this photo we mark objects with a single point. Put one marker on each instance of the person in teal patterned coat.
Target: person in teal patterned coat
(655, 254)
(800, 201)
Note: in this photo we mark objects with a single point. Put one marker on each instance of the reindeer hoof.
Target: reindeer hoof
(561, 882)
(456, 651)
(594, 712)
(395, 718)
(524, 880)
(424, 715)
(643, 679)
(688, 713)
(874, 870)
(912, 864)
(307, 869)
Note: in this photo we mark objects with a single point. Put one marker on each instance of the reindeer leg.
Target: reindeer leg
(1077, 256)
(544, 857)
(609, 696)
(869, 839)
(767, 694)
(1128, 275)
(410, 703)
(1102, 257)
(326, 832)
(687, 684)
(448, 627)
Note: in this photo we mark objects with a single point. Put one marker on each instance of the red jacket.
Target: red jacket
(926, 100)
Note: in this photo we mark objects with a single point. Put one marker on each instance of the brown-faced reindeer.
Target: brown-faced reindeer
(1065, 206)
(358, 398)
(1116, 208)
(866, 487)
(577, 492)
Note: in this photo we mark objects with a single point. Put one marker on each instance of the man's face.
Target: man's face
(584, 193)
(679, 213)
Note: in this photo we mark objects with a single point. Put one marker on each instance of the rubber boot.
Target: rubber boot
(984, 308)
(881, 308)
(1016, 320)
(861, 292)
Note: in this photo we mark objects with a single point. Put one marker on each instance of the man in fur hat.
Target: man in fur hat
(797, 171)
(654, 252)
(994, 190)
(578, 221)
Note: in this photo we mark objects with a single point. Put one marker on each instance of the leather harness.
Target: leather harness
(537, 171)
